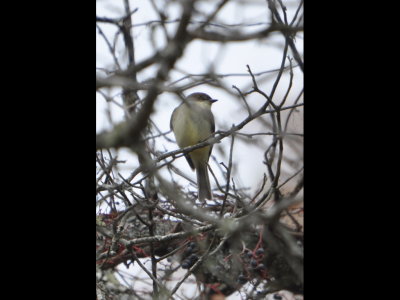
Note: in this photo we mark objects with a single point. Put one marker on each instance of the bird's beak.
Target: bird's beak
(213, 100)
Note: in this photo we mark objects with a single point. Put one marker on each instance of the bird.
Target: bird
(193, 122)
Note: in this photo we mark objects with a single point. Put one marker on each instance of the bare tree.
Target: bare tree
(153, 236)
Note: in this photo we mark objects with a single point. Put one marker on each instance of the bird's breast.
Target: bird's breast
(191, 126)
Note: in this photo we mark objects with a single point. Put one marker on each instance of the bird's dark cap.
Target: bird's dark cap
(202, 96)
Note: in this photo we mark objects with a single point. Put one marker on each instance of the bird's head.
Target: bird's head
(201, 98)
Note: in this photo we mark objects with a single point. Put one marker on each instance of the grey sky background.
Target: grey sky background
(232, 58)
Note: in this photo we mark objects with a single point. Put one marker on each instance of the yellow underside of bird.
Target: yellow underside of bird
(190, 133)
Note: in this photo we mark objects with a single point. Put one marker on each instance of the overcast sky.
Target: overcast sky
(232, 58)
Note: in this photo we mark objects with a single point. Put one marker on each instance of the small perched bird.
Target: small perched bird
(192, 122)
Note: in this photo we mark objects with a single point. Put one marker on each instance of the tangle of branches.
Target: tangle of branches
(154, 239)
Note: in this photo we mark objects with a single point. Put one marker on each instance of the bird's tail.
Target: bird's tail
(203, 182)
